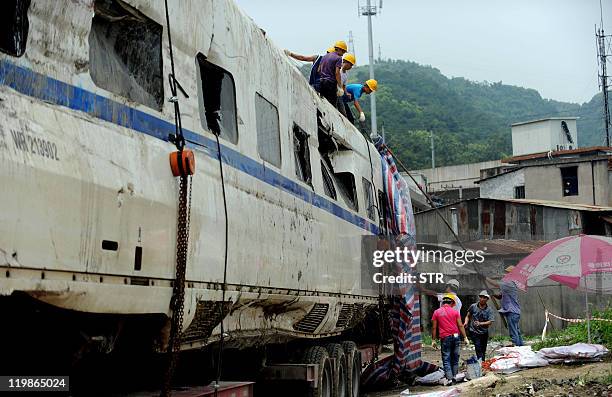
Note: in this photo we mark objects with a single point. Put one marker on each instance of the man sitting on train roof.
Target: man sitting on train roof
(353, 93)
(329, 68)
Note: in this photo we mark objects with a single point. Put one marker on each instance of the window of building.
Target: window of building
(519, 192)
(569, 178)
(328, 183)
(268, 131)
(368, 193)
(125, 53)
(302, 155)
(14, 26)
(219, 100)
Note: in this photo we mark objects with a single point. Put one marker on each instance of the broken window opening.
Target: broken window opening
(219, 100)
(14, 26)
(328, 184)
(302, 155)
(125, 53)
(344, 180)
(569, 180)
(368, 193)
(268, 130)
(519, 192)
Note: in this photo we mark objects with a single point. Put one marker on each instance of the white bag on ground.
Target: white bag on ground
(514, 358)
(430, 379)
(443, 393)
(576, 351)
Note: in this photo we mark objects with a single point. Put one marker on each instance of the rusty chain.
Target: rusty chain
(177, 303)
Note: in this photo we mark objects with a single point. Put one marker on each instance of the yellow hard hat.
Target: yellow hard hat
(341, 44)
(449, 296)
(373, 84)
(350, 58)
(331, 49)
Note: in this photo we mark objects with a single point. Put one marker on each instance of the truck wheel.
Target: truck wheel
(353, 360)
(336, 352)
(318, 355)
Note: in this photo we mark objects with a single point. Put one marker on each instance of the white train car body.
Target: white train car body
(89, 205)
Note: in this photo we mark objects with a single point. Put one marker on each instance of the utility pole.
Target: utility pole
(382, 131)
(602, 58)
(351, 43)
(370, 10)
(433, 151)
(379, 53)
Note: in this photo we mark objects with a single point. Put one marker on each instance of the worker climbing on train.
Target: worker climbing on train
(315, 77)
(329, 69)
(353, 94)
(348, 61)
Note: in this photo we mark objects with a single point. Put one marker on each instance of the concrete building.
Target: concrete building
(581, 176)
(554, 133)
(507, 231)
(455, 182)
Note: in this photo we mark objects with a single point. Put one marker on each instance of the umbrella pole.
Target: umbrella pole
(588, 317)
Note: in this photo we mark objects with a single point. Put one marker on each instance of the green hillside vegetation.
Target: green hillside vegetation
(470, 120)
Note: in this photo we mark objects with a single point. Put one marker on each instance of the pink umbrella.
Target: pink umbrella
(583, 262)
(580, 262)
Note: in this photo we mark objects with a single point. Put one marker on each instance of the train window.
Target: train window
(219, 104)
(302, 155)
(268, 131)
(14, 26)
(346, 184)
(328, 184)
(125, 53)
(368, 193)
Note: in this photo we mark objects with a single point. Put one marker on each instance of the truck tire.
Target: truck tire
(336, 352)
(353, 360)
(318, 355)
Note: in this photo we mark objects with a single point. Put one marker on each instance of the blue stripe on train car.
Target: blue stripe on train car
(48, 89)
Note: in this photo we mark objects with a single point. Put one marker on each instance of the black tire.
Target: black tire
(319, 355)
(353, 360)
(336, 352)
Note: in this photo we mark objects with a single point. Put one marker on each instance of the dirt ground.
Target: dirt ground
(553, 380)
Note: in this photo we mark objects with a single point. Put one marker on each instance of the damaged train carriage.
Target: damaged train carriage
(88, 214)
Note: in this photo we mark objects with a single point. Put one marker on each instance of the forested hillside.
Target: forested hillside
(470, 120)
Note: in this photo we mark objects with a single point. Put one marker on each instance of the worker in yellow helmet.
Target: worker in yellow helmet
(447, 324)
(315, 77)
(348, 61)
(331, 78)
(354, 93)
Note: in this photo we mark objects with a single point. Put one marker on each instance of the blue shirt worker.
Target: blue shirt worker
(477, 322)
(510, 306)
(354, 93)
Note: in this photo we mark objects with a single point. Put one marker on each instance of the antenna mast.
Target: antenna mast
(602, 59)
(371, 10)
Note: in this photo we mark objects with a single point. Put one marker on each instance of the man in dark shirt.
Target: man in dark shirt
(329, 72)
(479, 317)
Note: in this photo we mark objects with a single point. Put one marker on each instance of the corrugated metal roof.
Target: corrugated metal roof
(545, 203)
(557, 153)
(559, 204)
(505, 247)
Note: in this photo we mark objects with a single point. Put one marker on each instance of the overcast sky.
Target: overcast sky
(548, 45)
